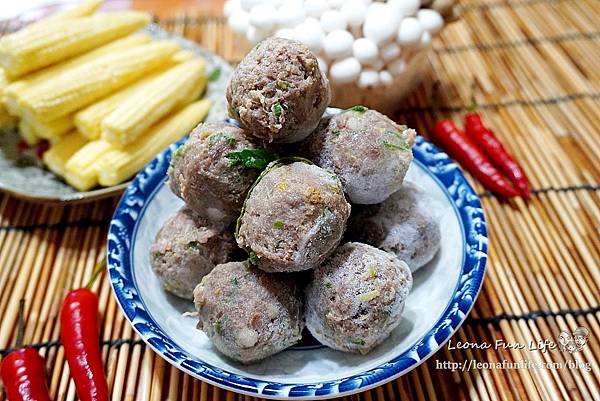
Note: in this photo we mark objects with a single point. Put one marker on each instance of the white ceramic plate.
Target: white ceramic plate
(443, 293)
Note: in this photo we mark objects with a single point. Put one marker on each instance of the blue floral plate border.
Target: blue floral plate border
(459, 192)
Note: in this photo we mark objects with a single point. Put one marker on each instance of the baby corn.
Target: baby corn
(155, 100)
(183, 55)
(51, 129)
(27, 133)
(86, 7)
(93, 80)
(81, 170)
(30, 49)
(5, 117)
(59, 153)
(88, 121)
(118, 165)
(15, 89)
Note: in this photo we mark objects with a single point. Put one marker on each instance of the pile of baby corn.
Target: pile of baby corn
(107, 99)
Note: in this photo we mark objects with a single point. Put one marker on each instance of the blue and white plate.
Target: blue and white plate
(443, 293)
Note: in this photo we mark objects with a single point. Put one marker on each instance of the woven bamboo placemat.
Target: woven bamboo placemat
(535, 64)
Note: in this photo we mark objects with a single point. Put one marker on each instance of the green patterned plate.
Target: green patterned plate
(23, 175)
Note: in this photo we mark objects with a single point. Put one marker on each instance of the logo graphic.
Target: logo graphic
(573, 342)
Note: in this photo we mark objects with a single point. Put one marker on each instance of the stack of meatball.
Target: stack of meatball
(291, 217)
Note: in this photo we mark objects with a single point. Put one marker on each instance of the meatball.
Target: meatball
(185, 250)
(403, 225)
(356, 298)
(201, 174)
(278, 92)
(294, 218)
(247, 313)
(368, 151)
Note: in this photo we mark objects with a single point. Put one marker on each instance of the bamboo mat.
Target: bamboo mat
(536, 68)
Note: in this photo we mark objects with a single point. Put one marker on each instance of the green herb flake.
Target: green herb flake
(157, 255)
(358, 108)
(178, 154)
(253, 258)
(218, 326)
(372, 271)
(252, 158)
(215, 75)
(359, 341)
(283, 84)
(328, 285)
(369, 296)
(279, 224)
(393, 146)
(336, 132)
(277, 110)
(231, 142)
(234, 282)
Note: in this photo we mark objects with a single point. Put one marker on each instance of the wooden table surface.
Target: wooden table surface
(537, 73)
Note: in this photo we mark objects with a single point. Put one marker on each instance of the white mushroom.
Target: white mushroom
(290, 14)
(431, 20)
(285, 33)
(425, 40)
(230, 6)
(365, 50)
(390, 51)
(333, 20)
(381, 23)
(397, 67)
(386, 78)
(338, 44)
(322, 65)
(315, 8)
(410, 31)
(346, 70)
(335, 3)
(262, 16)
(248, 4)
(368, 78)
(239, 21)
(311, 34)
(405, 7)
(354, 12)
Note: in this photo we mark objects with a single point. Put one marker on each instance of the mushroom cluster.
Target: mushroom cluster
(364, 42)
(267, 204)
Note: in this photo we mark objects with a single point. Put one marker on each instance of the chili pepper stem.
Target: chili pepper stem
(473, 106)
(97, 271)
(20, 324)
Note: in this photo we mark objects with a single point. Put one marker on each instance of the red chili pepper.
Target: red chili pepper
(79, 333)
(23, 372)
(460, 147)
(493, 148)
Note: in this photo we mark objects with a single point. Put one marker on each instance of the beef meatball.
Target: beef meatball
(278, 92)
(368, 151)
(355, 299)
(185, 250)
(201, 174)
(294, 218)
(403, 225)
(247, 313)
